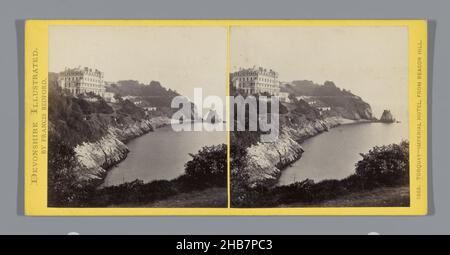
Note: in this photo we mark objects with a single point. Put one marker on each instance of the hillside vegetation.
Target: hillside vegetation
(75, 120)
(154, 93)
(309, 88)
(343, 102)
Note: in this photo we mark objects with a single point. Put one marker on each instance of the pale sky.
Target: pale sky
(372, 62)
(181, 58)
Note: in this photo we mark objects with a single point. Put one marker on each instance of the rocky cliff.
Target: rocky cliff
(96, 157)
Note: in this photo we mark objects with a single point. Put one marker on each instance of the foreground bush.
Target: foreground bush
(209, 166)
(385, 165)
(64, 186)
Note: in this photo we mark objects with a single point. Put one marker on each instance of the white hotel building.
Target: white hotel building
(258, 80)
(84, 80)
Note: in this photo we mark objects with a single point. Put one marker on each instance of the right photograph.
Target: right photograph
(319, 116)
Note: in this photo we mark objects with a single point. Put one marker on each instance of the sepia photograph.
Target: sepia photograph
(226, 117)
(341, 116)
(127, 123)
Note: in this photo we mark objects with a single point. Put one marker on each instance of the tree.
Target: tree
(64, 186)
(209, 166)
(385, 165)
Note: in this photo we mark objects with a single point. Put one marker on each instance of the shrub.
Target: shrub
(385, 165)
(129, 108)
(64, 187)
(208, 167)
(135, 192)
(68, 117)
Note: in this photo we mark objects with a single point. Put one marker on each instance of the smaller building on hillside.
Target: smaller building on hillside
(284, 96)
(109, 97)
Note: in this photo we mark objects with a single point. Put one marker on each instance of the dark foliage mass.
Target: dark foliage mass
(98, 106)
(64, 186)
(309, 88)
(208, 166)
(302, 108)
(343, 102)
(129, 108)
(383, 166)
(153, 93)
(246, 138)
(75, 119)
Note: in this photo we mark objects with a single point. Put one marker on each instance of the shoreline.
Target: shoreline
(163, 122)
(289, 149)
(107, 168)
(164, 127)
(346, 122)
(97, 158)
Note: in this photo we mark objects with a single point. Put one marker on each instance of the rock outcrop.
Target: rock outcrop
(96, 157)
(266, 159)
(387, 117)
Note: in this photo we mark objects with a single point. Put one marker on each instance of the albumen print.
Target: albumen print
(225, 117)
(112, 139)
(343, 117)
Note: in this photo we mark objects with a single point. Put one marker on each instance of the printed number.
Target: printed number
(246, 244)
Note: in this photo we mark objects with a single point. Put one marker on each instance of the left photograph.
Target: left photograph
(135, 116)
